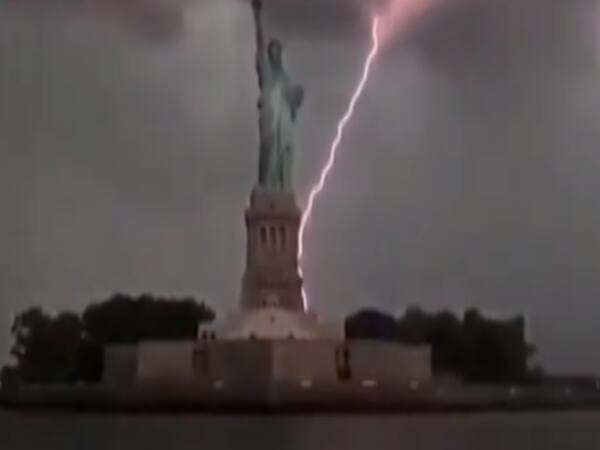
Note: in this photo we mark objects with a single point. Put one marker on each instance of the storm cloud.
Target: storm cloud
(467, 178)
(155, 21)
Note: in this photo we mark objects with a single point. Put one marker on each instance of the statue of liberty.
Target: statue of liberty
(278, 107)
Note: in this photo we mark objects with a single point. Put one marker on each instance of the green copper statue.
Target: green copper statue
(278, 108)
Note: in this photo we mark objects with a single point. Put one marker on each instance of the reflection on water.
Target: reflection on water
(548, 431)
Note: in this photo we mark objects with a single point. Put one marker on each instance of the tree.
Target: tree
(446, 339)
(45, 347)
(126, 320)
(9, 378)
(67, 348)
(477, 349)
(372, 324)
(414, 326)
(495, 351)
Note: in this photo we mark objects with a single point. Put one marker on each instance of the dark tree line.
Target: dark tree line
(68, 347)
(473, 347)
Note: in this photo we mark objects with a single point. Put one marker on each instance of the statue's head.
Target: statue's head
(275, 50)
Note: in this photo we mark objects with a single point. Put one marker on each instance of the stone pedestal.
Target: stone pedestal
(271, 278)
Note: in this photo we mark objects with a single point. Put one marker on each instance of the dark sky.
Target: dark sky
(469, 176)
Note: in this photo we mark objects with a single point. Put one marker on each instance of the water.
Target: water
(548, 431)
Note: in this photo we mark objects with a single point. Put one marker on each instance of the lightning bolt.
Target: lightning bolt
(318, 187)
(386, 24)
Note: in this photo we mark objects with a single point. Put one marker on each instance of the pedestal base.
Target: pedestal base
(271, 278)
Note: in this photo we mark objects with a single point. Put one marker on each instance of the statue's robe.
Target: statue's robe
(279, 103)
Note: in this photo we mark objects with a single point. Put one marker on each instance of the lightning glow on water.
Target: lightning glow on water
(318, 187)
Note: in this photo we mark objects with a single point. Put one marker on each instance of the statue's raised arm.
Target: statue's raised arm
(278, 106)
(261, 63)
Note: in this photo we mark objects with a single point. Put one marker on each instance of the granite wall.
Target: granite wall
(256, 365)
